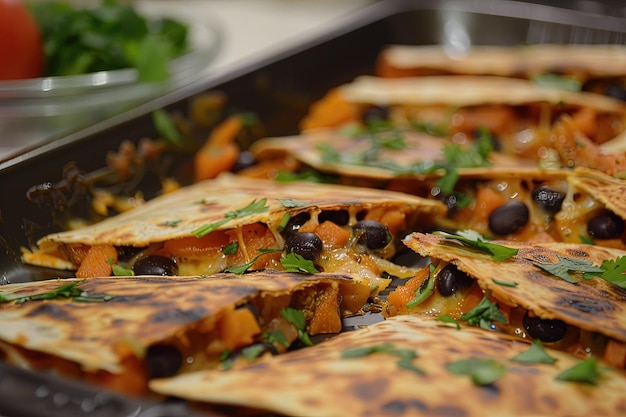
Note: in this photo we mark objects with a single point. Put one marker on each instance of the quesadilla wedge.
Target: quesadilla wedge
(572, 297)
(238, 224)
(407, 366)
(582, 66)
(491, 192)
(120, 332)
(518, 113)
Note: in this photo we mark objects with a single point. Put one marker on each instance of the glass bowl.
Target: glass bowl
(108, 90)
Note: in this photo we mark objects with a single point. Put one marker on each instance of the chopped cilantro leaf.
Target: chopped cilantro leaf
(231, 248)
(67, 290)
(424, 291)
(405, 356)
(586, 371)
(474, 239)
(165, 126)
(120, 271)
(484, 314)
(566, 265)
(290, 202)
(208, 228)
(254, 207)
(561, 82)
(242, 269)
(448, 319)
(170, 223)
(613, 271)
(504, 283)
(296, 317)
(276, 336)
(308, 175)
(534, 354)
(250, 353)
(292, 262)
(482, 371)
(284, 221)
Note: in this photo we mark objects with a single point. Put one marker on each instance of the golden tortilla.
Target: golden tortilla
(178, 214)
(318, 381)
(583, 61)
(593, 304)
(143, 310)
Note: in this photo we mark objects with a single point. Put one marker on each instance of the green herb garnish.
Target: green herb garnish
(276, 337)
(308, 175)
(68, 290)
(255, 207)
(231, 248)
(292, 262)
(284, 221)
(170, 223)
(165, 126)
(484, 314)
(425, 290)
(120, 271)
(474, 239)
(534, 354)
(504, 283)
(448, 319)
(482, 371)
(291, 203)
(296, 317)
(558, 81)
(109, 36)
(405, 356)
(586, 371)
(613, 271)
(242, 269)
(566, 265)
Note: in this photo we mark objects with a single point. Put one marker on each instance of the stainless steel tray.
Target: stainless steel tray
(279, 89)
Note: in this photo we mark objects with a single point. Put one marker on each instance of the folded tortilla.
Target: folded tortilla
(363, 373)
(119, 332)
(193, 225)
(584, 62)
(592, 308)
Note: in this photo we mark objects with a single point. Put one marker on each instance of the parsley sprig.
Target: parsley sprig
(474, 239)
(534, 354)
(565, 266)
(255, 207)
(482, 371)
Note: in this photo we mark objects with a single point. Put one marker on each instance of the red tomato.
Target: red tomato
(21, 48)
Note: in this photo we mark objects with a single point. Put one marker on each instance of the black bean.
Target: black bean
(606, 225)
(294, 223)
(616, 91)
(126, 253)
(375, 113)
(306, 244)
(546, 330)
(163, 361)
(340, 217)
(372, 234)
(548, 199)
(450, 280)
(508, 218)
(244, 160)
(155, 265)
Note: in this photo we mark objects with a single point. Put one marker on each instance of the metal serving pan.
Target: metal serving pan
(279, 90)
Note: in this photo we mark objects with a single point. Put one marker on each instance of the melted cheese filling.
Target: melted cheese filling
(577, 341)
